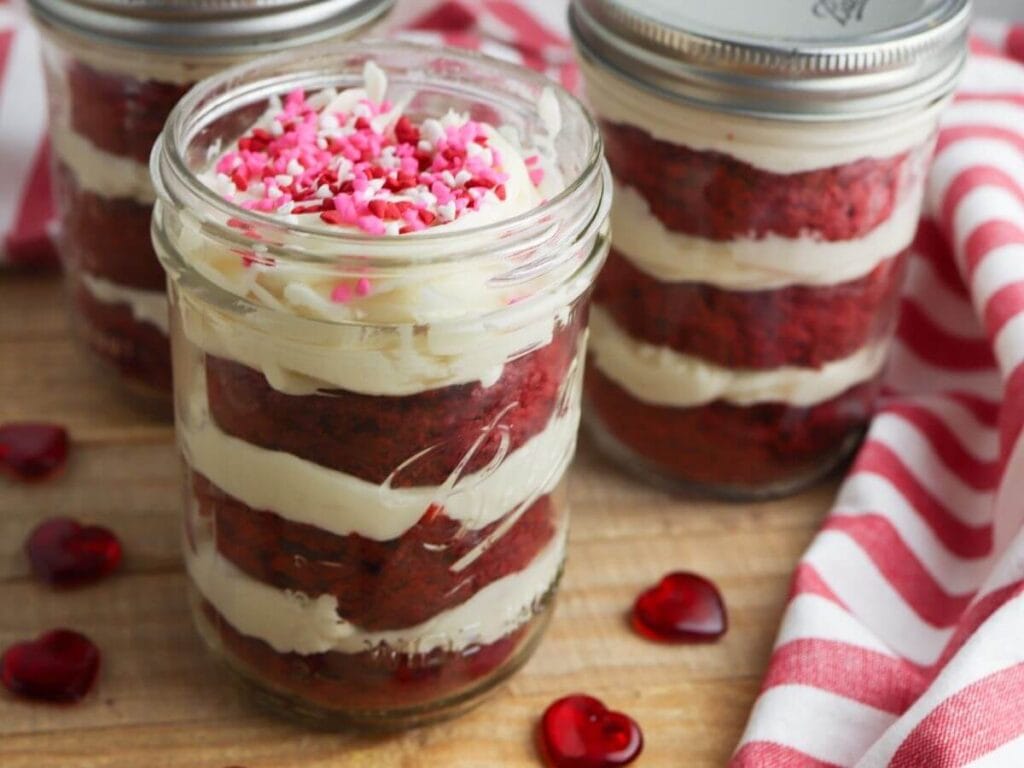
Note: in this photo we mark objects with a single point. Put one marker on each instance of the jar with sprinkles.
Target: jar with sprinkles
(115, 68)
(379, 260)
(769, 162)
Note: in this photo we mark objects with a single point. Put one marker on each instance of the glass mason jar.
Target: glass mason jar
(769, 163)
(114, 71)
(376, 428)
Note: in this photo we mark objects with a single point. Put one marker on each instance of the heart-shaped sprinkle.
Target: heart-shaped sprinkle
(59, 666)
(681, 608)
(32, 451)
(67, 554)
(579, 731)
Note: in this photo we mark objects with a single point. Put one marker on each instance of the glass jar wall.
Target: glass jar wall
(376, 428)
(114, 72)
(760, 238)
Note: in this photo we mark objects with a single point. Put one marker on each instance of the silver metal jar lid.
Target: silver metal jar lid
(791, 59)
(209, 27)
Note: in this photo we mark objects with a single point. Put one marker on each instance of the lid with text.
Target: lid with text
(798, 59)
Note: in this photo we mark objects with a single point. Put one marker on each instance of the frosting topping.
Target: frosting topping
(354, 159)
(354, 164)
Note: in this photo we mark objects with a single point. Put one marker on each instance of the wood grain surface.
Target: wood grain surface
(160, 701)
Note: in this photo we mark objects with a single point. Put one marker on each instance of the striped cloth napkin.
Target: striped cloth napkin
(25, 205)
(903, 641)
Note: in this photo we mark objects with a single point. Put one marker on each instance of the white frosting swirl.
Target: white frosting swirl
(777, 146)
(102, 173)
(756, 263)
(664, 377)
(293, 622)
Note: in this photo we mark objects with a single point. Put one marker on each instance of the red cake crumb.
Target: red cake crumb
(107, 236)
(804, 326)
(120, 114)
(138, 350)
(378, 584)
(717, 197)
(373, 680)
(731, 446)
(372, 436)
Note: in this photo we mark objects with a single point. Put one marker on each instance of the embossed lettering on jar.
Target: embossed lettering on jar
(769, 163)
(379, 285)
(115, 69)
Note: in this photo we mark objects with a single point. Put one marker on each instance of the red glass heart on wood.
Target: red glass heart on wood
(67, 554)
(32, 451)
(59, 666)
(681, 608)
(581, 732)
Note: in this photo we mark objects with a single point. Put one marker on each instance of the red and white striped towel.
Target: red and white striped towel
(25, 204)
(903, 642)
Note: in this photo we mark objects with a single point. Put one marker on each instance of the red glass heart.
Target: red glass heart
(32, 451)
(681, 608)
(67, 554)
(59, 666)
(581, 732)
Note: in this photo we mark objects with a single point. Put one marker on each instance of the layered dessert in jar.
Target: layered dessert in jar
(743, 320)
(113, 75)
(379, 285)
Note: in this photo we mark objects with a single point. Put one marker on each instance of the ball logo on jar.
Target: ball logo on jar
(843, 11)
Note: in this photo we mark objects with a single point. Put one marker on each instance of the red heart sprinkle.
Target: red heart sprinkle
(581, 732)
(67, 554)
(681, 608)
(59, 666)
(32, 451)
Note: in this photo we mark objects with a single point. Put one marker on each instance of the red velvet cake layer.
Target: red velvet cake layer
(118, 113)
(731, 446)
(805, 326)
(138, 350)
(717, 197)
(375, 679)
(372, 436)
(107, 236)
(378, 584)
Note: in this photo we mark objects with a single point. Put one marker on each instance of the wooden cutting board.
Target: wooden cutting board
(160, 701)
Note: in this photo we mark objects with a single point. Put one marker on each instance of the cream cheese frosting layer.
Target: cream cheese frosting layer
(432, 284)
(300, 357)
(305, 492)
(664, 377)
(775, 146)
(146, 306)
(293, 622)
(100, 172)
(754, 264)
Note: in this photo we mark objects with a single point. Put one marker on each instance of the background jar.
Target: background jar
(769, 168)
(374, 515)
(114, 71)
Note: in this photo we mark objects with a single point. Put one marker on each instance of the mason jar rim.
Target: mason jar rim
(214, 28)
(850, 76)
(174, 180)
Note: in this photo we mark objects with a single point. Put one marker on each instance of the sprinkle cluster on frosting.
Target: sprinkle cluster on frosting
(357, 161)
